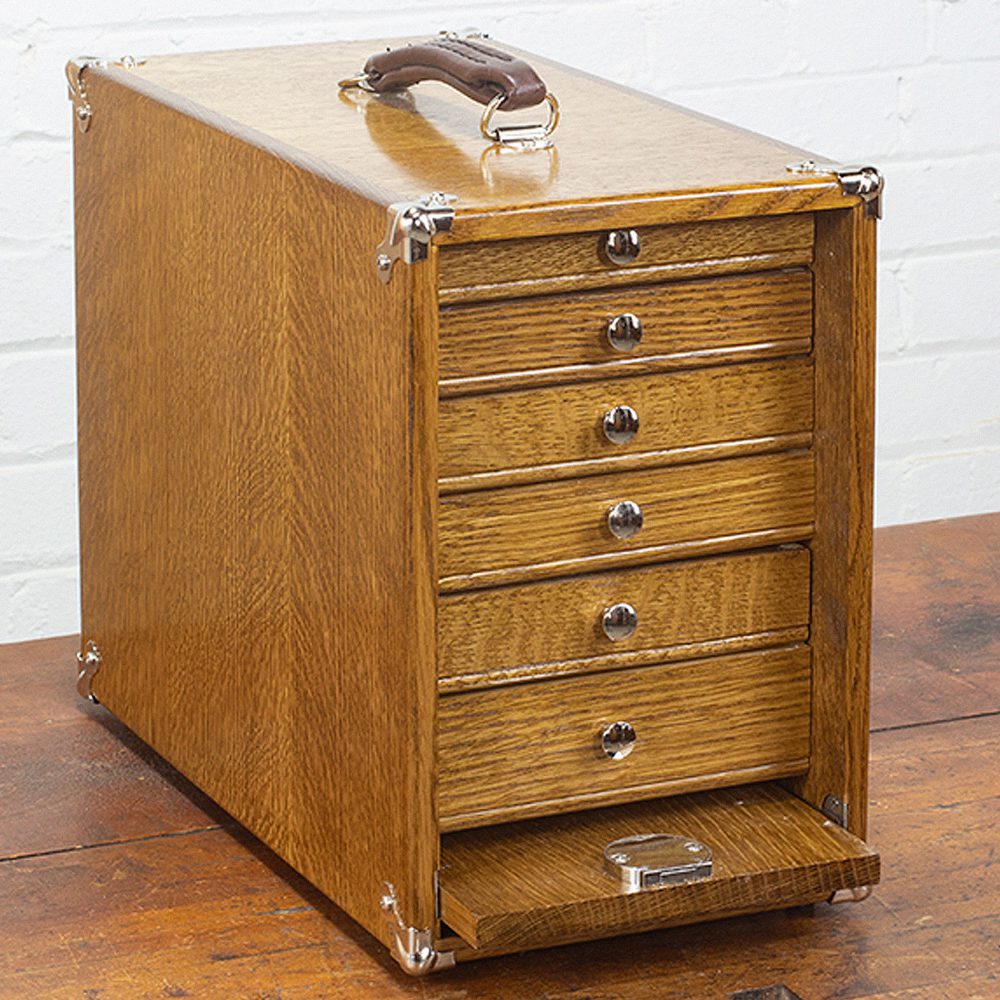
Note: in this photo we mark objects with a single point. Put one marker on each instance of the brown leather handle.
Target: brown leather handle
(474, 69)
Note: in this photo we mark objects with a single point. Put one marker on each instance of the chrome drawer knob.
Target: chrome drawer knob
(625, 519)
(618, 740)
(624, 331)
(619, 621)
(621, 424)
(621, 246)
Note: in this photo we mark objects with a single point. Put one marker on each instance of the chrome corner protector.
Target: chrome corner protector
(855, 894)
(90, 662)
(412, 949)
(410, 227)
(75, 70)
(864, 181)
(834, 808)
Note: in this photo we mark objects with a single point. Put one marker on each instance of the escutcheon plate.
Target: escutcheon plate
(648, 860)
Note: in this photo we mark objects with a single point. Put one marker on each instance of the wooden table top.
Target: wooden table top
(120, 880)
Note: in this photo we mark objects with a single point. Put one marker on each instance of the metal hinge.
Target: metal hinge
(835, 808)
(413, 949)
(90, 662)
(410, 227)
(75, 70)
(866, 182)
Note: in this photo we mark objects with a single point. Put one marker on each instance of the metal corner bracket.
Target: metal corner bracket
(75, 70)
(410, 227)
(866, 182)
(856, 894)
(413, 949)
(90, 662)
(834, 808)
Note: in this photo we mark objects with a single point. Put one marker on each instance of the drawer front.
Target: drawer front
(554, 431)
(473, 265)
(530, 749)
(683, 609)
(681, 322)
(493, 536)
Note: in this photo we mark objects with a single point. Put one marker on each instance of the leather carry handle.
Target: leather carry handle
(476, 70)
(500, 81)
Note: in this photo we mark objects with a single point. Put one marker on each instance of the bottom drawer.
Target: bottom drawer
(536, 748)
(546, 881)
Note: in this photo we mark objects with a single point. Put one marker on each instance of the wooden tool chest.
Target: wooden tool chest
(484, 524)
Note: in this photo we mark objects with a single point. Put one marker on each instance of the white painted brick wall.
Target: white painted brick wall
(910, 85)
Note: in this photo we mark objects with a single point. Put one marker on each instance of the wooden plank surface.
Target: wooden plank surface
(402, 145)
(534, 749)
(545, 880)
(169, 908)
(565, 337)
(225, 574)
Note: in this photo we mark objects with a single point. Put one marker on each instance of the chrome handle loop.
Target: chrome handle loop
(518, 135)
(621, 424)
(625, 519)
(619, 621)
(624, 331)
(618, 740)
(621, 246)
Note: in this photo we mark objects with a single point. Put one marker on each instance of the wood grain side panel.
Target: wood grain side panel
(682, 321)
(540, 743)
(580, 253)
(551, 527)
(243, 626)
(562, 426)
(488, 636)
(842, 546)
(769, 850)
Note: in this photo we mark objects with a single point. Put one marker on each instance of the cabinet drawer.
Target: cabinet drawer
(475, 267)
(683, 609)
(682, 323)
(559, 431)
(495, 536)
(530, 749)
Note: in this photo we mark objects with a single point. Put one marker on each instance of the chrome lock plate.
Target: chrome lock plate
(649, 860)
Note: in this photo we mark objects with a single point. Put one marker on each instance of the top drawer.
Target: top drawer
(496, 269)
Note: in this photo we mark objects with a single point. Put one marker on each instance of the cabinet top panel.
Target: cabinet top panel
(613, 145)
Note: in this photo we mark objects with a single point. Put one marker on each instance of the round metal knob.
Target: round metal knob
(624, 331)
(621, 424)
(619, 621)
(618, 740)
(621, 246)
(625, 519)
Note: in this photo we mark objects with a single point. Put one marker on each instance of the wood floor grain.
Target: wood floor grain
(118, 880)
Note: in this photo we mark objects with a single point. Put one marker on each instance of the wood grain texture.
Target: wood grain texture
(936, 621)
(539, 744)
(692, 167)
(217, 351)
(685, 609)
(523, 341)
(492, 536)
(844, 355)
(478, 265)
(768, 848)
(557, 432)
